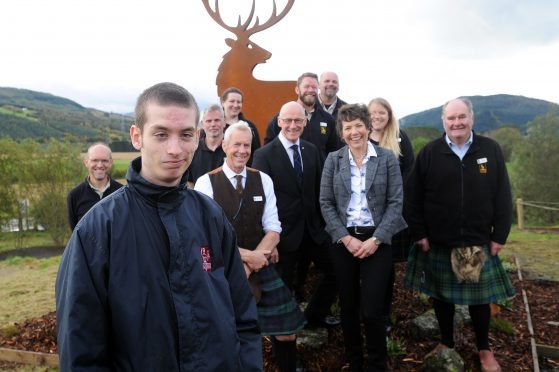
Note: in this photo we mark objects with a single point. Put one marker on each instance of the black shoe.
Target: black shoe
(301, 367)
(330, 321)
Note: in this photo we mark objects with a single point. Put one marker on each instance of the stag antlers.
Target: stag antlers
(243, 29)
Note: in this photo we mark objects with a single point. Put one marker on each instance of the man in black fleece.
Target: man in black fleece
(458, 199)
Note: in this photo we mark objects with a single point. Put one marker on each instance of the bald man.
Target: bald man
(97, 185)
(329, 85)
(295, 166)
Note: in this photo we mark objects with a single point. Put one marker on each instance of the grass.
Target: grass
(538, 252)
(26, 288)
(502, 326)
(395, 347)
(30, 239)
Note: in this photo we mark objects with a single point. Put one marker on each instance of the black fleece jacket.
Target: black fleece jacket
(455, 202)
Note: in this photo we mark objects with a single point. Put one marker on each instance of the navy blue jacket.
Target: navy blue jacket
(152, 280)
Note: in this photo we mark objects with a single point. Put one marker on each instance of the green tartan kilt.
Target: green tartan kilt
(278, 312)
(431, 273)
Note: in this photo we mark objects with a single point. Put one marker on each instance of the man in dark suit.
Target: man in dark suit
(295, 167)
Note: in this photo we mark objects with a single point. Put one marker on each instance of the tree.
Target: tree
(16, 183)
(418, 143)
(534, 169)
(507, 137)
(56, 169)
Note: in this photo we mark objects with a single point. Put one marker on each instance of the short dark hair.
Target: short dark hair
(350, 112)
(164, 94)
(230, 90)
(306, 75)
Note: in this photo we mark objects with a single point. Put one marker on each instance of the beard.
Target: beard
(308, 99)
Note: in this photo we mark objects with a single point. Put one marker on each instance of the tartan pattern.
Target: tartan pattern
(278, 312)
(431, 273)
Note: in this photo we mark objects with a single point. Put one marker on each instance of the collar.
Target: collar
(149, 191)
(330, 109)
(287, 143)
(102, 189)
(229, 173)
(370, 152)
(453, 145)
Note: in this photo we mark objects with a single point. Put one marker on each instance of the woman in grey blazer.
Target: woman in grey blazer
(361, 201)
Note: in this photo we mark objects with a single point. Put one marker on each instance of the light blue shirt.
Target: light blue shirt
(358, 213)
(460, 151)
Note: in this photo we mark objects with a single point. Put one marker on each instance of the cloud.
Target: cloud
(474, 28)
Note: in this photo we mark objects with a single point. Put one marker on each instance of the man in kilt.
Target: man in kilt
(459, 206)
(248, 199)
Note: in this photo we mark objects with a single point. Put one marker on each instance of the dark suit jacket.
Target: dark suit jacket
(297, 206)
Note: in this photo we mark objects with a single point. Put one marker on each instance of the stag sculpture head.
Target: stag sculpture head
(264, 98)
(251, 52)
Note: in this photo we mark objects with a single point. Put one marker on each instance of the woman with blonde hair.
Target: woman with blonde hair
(386, 133)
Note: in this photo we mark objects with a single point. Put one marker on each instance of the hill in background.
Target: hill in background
(40, 116)
(491, 112)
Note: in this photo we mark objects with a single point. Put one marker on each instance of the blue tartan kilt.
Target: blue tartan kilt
(278, 312)
(431, 273)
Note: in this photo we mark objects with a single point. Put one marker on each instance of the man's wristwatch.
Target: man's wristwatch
(377, 241)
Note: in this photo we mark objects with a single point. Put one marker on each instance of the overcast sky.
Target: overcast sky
(416, 54)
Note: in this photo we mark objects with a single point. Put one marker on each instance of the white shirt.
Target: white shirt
(101, 190)
(358, 213)
(287, 145)
(270, 219)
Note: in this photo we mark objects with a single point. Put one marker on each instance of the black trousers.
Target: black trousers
(326, 289)
(363, 284)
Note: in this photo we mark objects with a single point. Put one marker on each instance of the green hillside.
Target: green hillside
(491, 112)
(40, 116)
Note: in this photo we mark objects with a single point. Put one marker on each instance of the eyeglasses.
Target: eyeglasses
(297, 121)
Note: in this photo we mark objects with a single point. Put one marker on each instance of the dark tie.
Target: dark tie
(239, 186)
(297, 164)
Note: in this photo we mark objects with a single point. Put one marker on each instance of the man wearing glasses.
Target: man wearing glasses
(295, 167)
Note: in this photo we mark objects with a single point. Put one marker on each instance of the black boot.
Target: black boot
(286, 355)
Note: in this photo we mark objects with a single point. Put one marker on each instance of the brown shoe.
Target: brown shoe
(488, 362)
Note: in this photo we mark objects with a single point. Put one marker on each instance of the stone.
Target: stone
(313, 338)
(446, 360)
(426, 325)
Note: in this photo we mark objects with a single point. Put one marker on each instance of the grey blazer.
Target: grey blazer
(384, 193)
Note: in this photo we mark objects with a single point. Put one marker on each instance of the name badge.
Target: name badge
(482, 160)
(323, 124)
(257, 198)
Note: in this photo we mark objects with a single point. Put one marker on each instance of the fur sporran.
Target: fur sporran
(467, 263)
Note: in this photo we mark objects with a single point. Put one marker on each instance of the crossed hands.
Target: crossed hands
(257, 259)
(358, 248)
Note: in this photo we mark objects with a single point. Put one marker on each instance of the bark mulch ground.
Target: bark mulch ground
(513, 350)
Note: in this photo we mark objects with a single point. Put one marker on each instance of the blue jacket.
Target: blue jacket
(151, 280)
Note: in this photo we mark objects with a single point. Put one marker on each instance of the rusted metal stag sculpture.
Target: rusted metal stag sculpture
(262, 99)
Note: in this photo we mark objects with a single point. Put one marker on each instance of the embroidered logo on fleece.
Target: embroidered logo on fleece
(205, 252)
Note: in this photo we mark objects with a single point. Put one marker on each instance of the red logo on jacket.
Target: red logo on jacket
(205, 252)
